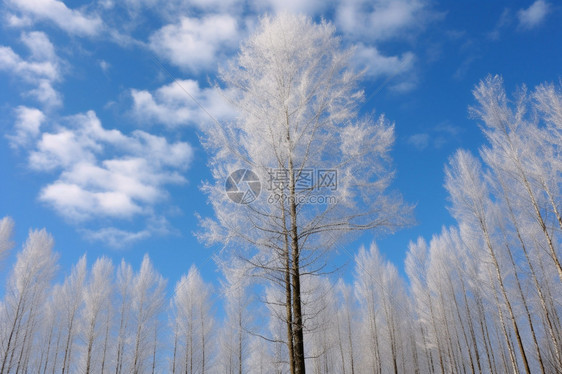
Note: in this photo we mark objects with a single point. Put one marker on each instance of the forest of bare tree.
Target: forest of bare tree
(481, 296)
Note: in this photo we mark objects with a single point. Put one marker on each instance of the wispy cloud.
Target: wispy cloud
(505, 20)
(380, 19)
(171, 105)
(419, 141)
(115, 237)
(122, 238)
(534, 15)
(70, 20)
(436, 137)
(377, 64)
(310, 7)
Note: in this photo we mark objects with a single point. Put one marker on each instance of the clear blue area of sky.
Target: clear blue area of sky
(431, 57)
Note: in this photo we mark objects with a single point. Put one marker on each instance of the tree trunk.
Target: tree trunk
(288, 296)
(297, 305)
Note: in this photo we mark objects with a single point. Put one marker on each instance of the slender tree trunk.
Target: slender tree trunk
(428, 354)
(138, 339)
(374, 335)
(240, 366)
(202, 317)
(437, 340)
(350, 341)
(49, 339)
(288, 295)
(175, 348)
(416, 362)
(9, 348)
(104, 355)
(59, 335)
(505, 297)
(297, 304)
(29, 328)
(457, 309)
(552, 203)
(155, 347)
(90, 346)
(340, 345)
(526, 307)
(68, 348)
(471, 326)
(120, 339)
(485, 334)
(512, 357)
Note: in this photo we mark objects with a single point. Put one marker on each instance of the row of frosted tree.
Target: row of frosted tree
(484, 296)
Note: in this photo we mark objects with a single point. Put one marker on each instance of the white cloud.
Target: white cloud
(172, 10)
(420, 141)
(104, 173)
(380, 19)
(378, 65)
(120, 238)
(310, 7)
(14, 21)
(28, 70)
(117, 238)
(27, 126)
(436, 137)
(534, 15)
(41, 68)
(104, 65)
(195, 44)
(70, 20)
(46, 94)
(40, 46)
(172, 105)
(505, 20)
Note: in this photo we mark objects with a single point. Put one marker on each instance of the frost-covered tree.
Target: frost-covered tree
(383, 305)
(6, 231)
(71, 297)
(25, 293)
(233, 335)
(471, 202)
(528, 154)
(147, 306)
(124, 295)
(192, 324)
(96, 317)
(298, 112)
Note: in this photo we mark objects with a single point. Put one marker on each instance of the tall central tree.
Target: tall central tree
(324, 170)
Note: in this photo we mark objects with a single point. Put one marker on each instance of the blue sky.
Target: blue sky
(100, 146)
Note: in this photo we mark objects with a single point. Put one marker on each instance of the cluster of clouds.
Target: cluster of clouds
(101, 173)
